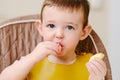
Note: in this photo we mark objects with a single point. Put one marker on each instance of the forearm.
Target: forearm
(19, 69)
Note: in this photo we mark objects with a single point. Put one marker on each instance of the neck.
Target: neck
(66, 59)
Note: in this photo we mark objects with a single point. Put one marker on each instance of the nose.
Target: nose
(60, 34)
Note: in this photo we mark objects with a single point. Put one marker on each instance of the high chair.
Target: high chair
(18, 37)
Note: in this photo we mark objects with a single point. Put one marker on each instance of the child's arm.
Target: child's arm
(19, 69)
(97, 68)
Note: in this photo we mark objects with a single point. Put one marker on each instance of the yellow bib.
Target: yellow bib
(46, 70)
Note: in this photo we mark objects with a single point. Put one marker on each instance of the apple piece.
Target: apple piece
(98, 55)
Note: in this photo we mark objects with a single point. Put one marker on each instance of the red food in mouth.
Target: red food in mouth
(60, 47)
(59, 44)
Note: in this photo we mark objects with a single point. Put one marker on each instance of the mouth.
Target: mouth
(60, 44)
(60, 48)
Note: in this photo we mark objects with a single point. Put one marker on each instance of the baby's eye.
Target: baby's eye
(70, 27)
(51, 25)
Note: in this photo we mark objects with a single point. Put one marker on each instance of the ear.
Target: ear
(38, 26)
(85, 32)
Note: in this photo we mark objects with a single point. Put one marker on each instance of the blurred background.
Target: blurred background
(104, 18)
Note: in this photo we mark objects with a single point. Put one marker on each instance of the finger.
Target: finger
(101, 66)
(51, 52)
(98, 68)
(91, 77)
(90, 68)
(54, 47)
(94, 72)
(100, 61)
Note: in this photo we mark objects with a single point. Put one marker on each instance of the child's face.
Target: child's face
(62, 26)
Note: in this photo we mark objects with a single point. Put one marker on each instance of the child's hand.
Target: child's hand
(44, 49)
(97, 69)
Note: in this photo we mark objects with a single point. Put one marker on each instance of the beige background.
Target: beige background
(104, 18)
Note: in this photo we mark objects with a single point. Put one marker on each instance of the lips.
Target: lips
(59, 44)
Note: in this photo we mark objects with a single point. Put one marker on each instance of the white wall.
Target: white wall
(14, 8)
(114, 37)
(99, 19)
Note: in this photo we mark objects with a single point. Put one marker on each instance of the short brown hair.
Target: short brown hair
(71, 5)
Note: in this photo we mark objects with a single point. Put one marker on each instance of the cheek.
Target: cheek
(70, 47)
(47, 37)
(47, 34)
(71, 43)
